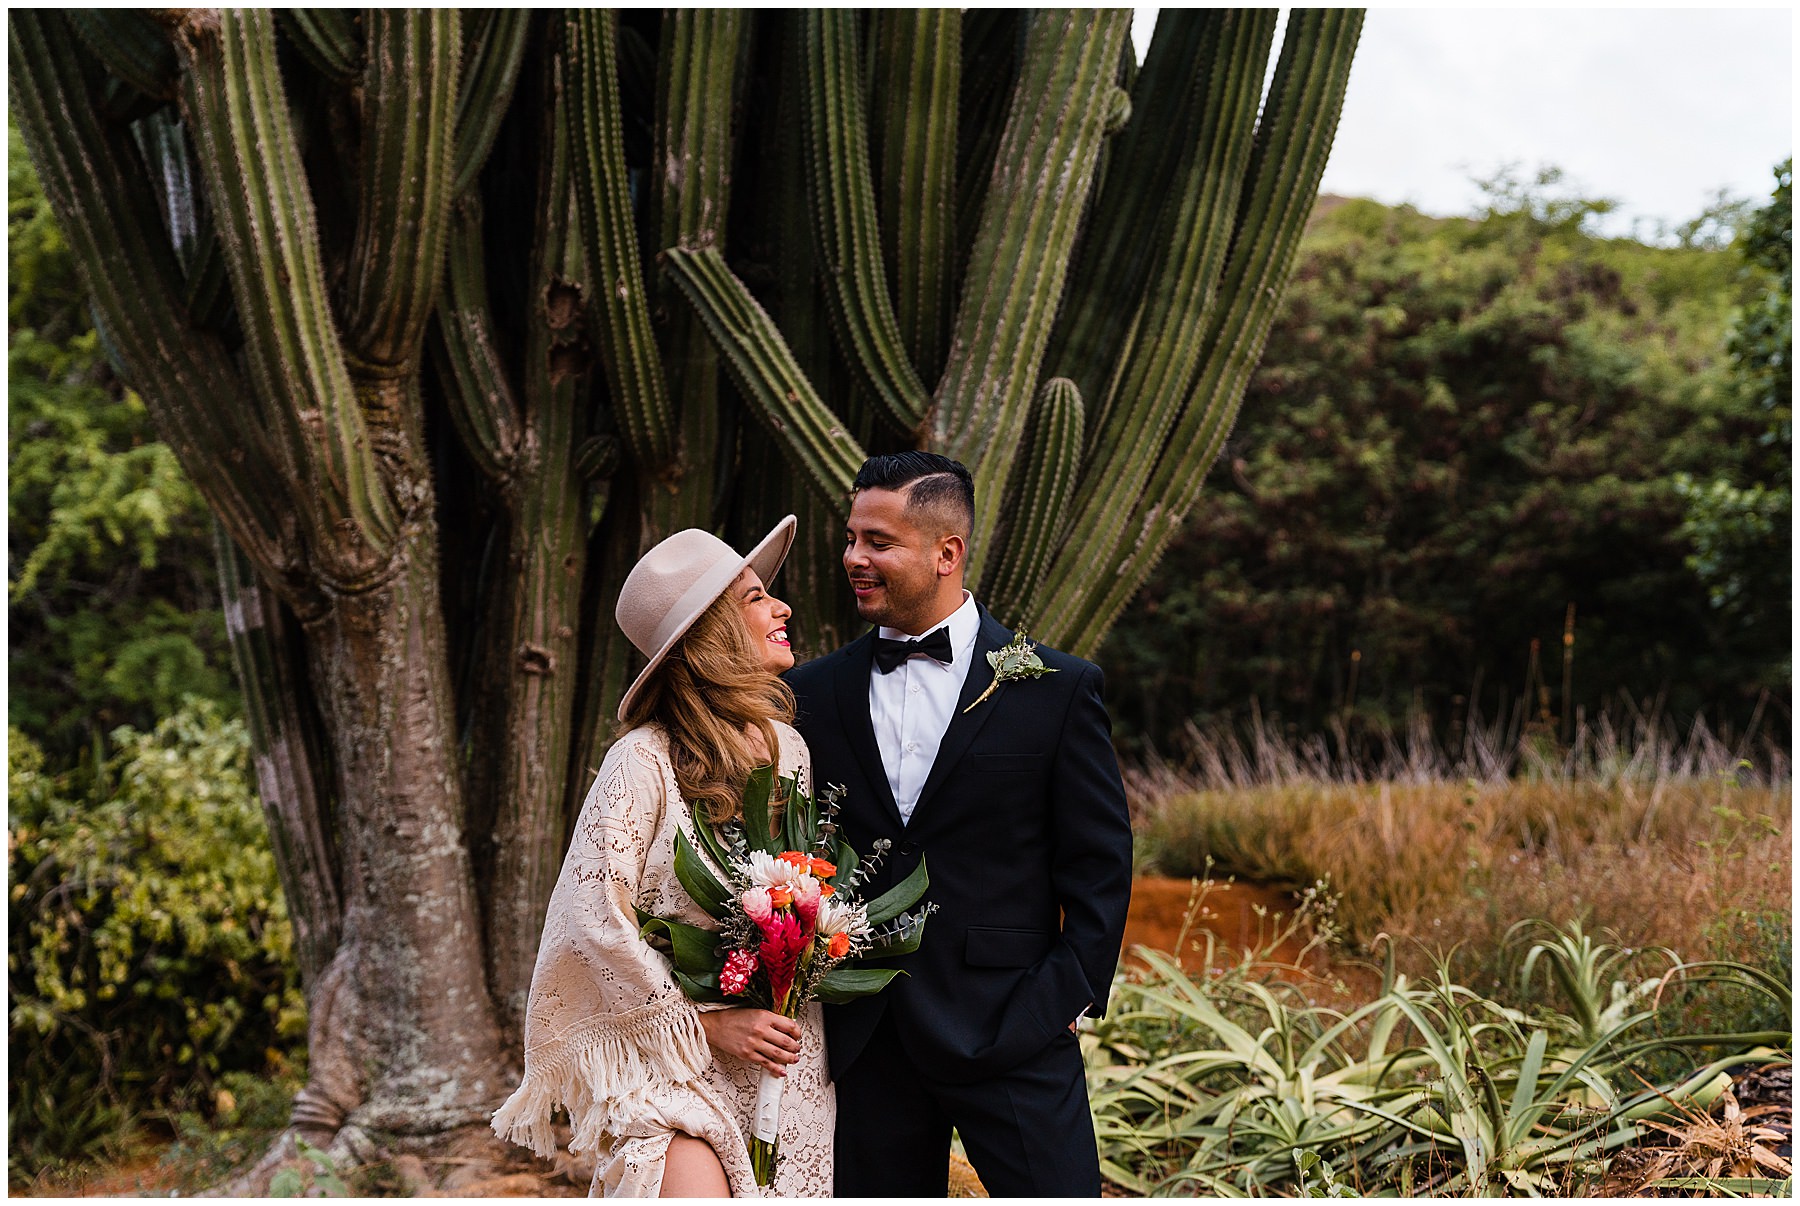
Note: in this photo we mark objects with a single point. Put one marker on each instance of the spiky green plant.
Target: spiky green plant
(1225, 1083)
(451, 314)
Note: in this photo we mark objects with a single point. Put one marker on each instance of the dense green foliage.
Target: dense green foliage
(1741, 524)
(1461, 429)
(148, 944)
(112, 598)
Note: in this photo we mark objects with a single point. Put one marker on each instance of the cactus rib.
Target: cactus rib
(1041, 487)
(264, 214)
(633, 366)
(490, 71)
(466, 351)
(403, 186)
(1293, 142)
(690, 201)
(326, 38)
(1041, 176)
(849, 244)
(1116, 257)
(917, 81)
(765, 373)
(1164, 351)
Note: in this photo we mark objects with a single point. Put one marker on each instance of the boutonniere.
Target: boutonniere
(1014, 660)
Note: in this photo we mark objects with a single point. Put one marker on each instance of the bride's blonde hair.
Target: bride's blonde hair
(707, 692)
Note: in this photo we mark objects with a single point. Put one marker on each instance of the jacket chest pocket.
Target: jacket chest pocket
(1005, 764)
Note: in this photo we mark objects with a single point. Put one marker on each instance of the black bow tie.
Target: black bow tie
(890, 653)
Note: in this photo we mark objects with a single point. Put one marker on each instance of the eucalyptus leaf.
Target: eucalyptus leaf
(901, 896)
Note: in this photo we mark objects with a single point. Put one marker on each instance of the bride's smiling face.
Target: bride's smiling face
(766, 617)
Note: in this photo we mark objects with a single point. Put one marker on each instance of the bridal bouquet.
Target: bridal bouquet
(792, 927)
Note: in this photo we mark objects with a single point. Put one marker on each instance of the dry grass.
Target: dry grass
(1659, 842)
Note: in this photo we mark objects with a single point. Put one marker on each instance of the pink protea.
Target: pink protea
(734, 977)
(783, 940)
(806, 902)
(758, 905)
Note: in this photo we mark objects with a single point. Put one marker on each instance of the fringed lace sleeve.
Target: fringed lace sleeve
(605, 1024)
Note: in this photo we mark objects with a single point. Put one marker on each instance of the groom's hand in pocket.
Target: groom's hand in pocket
(755, 1036)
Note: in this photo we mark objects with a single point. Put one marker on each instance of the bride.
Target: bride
(661, 1089)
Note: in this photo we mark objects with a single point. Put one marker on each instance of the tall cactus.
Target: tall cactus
(450, 315)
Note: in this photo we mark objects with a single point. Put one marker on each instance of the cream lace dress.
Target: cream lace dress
(609, 1035)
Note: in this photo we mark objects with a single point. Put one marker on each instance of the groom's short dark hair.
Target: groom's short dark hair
(938, 485)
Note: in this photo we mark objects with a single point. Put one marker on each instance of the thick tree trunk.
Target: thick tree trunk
(403, 1036)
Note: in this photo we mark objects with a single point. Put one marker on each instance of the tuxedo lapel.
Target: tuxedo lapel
(964, 725)
(859, 727)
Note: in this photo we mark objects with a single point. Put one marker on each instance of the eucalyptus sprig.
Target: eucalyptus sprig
(1014, 660)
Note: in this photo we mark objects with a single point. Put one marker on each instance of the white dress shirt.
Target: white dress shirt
(915, 702)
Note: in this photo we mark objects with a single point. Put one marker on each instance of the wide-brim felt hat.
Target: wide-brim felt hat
(676, 581)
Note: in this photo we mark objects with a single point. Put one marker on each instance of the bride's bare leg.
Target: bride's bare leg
(692, 1170)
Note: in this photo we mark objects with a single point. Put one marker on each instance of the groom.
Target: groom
(1017, 808)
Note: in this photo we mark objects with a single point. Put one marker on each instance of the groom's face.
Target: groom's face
(901, 573)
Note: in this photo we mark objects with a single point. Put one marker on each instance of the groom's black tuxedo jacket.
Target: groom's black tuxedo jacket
(1023, 826)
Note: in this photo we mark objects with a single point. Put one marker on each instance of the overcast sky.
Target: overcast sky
(1654, 108)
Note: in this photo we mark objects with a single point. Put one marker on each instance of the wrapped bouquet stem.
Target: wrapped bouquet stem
(792, 926)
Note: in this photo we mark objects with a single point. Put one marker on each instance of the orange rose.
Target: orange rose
(823, 869)
(839, 946)
(794, 858)
(826, 889)
(780, 898)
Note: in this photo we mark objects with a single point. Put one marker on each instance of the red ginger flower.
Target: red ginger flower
(783, 940)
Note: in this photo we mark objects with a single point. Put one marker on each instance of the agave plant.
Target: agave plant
(1231, 1085)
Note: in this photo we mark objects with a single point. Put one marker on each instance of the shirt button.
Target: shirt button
(912, 747)
(914, 689)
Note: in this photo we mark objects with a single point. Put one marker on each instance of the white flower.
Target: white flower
(767, 871)
(836, 917)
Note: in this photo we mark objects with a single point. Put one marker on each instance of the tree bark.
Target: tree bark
(402, 1032)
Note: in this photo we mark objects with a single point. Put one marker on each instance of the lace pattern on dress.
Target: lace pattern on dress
(609, 1035)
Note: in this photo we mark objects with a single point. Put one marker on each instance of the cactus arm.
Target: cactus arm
(690, 200)
(160, 141)
(698, 76)
(849, 244)
(490, 71)
(1293, 142)
(633, 367)
(232, 97)
(293, 769)
(114, 231)
(131, 46)
(919, 73)
(1029, 222)
(465, 349)
(1116, 256)
(326, 38)
(765, 373)
(538, 596)
(1166, 347)
(1041, 486)
(991, 41)
(403, 188)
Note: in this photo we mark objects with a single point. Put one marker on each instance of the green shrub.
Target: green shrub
(149, 946)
